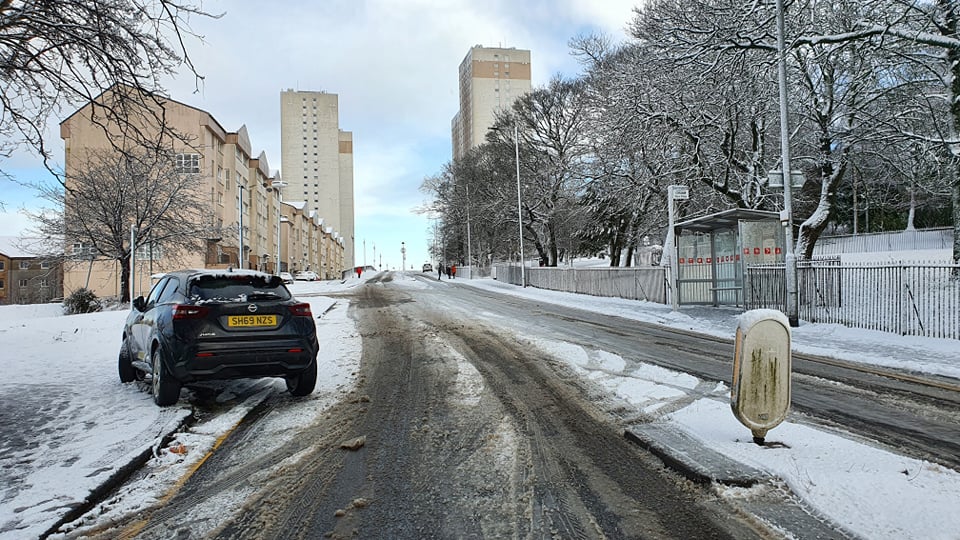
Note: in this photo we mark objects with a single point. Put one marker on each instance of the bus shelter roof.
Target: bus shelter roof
(726, 219)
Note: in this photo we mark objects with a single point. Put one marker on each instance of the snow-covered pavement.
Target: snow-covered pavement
(67, 424)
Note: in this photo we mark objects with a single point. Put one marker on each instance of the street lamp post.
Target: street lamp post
(279, 185)
(403, 255)
(791, 257)
(240, 223)
(516, 145)
(469, 253)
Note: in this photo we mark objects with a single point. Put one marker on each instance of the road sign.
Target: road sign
(679, 193)
(775, 179)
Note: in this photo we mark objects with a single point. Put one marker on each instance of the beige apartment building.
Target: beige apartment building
(232, 183)
(317, 160)
(490, 80)
(26, 276)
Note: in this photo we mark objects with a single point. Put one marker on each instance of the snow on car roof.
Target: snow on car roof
(230, 272)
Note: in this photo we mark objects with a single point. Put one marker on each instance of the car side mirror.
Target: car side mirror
(139, 303)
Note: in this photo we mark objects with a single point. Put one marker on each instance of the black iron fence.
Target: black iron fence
(917, 299)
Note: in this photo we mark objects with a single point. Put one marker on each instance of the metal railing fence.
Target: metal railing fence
(919, 299)
(637, 283)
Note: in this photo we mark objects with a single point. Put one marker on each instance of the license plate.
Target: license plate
(251, 321)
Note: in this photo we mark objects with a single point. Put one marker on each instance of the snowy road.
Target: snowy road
(466, 431)
(468, 412)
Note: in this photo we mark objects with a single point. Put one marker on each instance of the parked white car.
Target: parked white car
(287, 277)
(307, 275)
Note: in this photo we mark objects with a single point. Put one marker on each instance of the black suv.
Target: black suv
(198, 325)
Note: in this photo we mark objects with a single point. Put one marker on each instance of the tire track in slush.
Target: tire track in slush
(589, 481)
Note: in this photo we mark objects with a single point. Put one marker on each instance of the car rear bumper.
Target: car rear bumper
(235, 360)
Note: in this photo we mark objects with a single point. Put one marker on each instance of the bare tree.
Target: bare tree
(553, 150)
(115, 192)
(56, 55)
(478, 190)
(860, 71)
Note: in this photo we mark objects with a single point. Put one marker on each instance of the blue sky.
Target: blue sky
(393, 64)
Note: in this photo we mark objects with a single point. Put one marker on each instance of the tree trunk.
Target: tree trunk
(124, 278)
(537, 243)
(551, 244)
(950, 26)
(913, 205)
(956, 218)
(615, 247)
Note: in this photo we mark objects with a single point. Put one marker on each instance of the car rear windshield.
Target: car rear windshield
(237, 288)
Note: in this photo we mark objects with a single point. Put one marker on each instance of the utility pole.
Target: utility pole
(787, 216)
(240, 223)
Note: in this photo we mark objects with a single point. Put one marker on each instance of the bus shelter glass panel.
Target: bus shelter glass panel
(728, 271)
(762, 242)
(694, 268)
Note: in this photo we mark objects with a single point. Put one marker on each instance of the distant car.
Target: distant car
(428, 267)
(198, 325)
(287, 277)
(307, 275)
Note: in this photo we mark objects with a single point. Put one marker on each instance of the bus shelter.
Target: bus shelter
(713, 253)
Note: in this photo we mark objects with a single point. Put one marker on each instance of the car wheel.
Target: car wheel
(303, 383)
(127, 372)
(166, 389)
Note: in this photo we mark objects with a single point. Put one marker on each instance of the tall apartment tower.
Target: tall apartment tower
(490, 80)
(317, 160)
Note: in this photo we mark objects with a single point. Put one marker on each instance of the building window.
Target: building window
(24, 265)
(144, 252)
(45, 265)
(2, 264)
(24, 283)
(1, 284)
(43, 282)
(188, 163)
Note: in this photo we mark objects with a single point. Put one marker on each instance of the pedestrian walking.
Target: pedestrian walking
(439, 271)
(453, 272)
(359, 271)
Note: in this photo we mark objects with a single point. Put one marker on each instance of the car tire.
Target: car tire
(165, 389)
(127, 372)
(304, 382)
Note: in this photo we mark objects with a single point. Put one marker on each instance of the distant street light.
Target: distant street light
(403, 254)
(516, 146)
(469, 252)
(279, 185)
(240, 223)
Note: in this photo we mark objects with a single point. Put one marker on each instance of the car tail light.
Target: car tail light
(185, 311)
(296, 350)
(301, 310)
